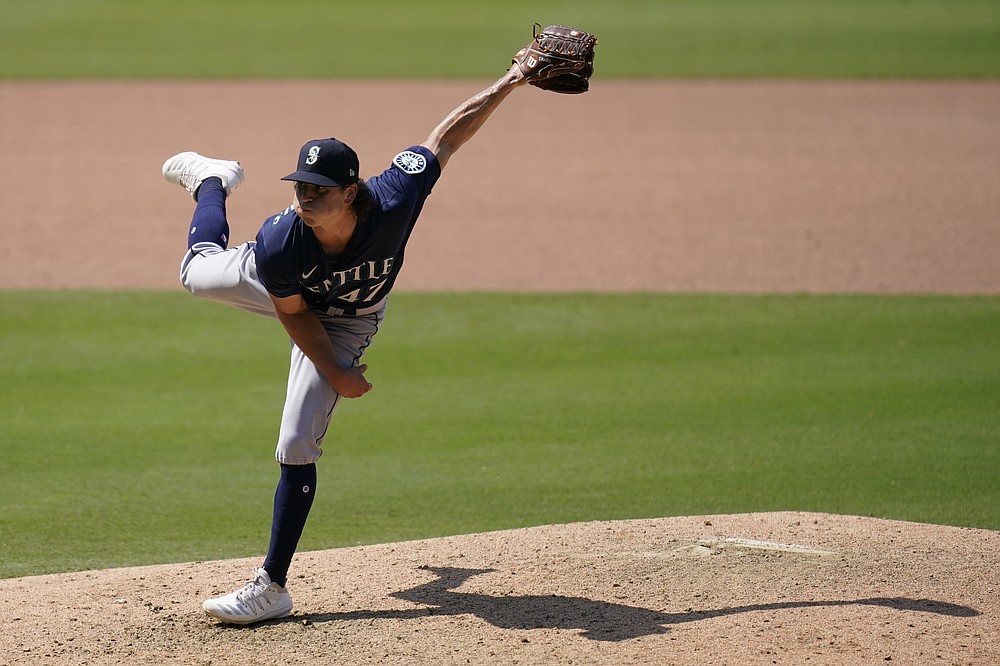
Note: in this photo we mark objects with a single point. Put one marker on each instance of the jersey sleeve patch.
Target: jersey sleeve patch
(410, 162)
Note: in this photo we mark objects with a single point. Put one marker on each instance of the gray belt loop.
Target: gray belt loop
(372, 309)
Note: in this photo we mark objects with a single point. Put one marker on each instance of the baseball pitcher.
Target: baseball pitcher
(323, 267)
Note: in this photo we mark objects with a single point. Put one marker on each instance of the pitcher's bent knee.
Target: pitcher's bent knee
(226, 276)
(205, 276)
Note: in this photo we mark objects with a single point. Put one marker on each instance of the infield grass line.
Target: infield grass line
(139, 427)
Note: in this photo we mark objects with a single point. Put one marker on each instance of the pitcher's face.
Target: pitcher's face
(317, 204)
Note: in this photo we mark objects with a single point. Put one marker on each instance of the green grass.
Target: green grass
(453, 38)
(138, 427)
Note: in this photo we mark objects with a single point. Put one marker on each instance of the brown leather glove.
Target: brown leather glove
(559, 59)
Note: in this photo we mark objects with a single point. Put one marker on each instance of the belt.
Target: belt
(356, 312)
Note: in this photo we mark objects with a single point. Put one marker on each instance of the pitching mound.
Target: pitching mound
(749, 588)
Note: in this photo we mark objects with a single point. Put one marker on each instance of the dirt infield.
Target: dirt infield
(660, 186)
(689, 186)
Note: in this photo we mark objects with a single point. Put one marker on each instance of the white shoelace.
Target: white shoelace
(252, 592)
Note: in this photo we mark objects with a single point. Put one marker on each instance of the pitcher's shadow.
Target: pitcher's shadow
(597, 620)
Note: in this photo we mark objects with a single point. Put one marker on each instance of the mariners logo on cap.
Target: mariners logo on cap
(314, 156)
(410, 162)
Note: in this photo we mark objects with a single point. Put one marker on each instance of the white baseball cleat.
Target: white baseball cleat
(189, 170)
(258, 600)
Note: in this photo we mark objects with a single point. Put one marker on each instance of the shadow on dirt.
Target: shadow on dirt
(597, 620)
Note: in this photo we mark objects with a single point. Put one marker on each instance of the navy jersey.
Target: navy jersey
(291, 261)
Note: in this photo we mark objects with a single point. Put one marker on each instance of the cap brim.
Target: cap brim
(312, 179)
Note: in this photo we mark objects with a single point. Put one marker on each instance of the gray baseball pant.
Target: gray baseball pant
(230, 276)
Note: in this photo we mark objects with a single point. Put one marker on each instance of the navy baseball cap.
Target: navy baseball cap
(326, 162)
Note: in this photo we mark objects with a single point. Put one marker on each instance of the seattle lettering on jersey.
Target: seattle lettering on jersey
(370, 270)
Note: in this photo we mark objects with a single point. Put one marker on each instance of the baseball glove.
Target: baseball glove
(559, 58)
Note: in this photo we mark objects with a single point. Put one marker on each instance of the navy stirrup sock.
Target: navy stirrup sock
(292, 501)
(209, 223)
